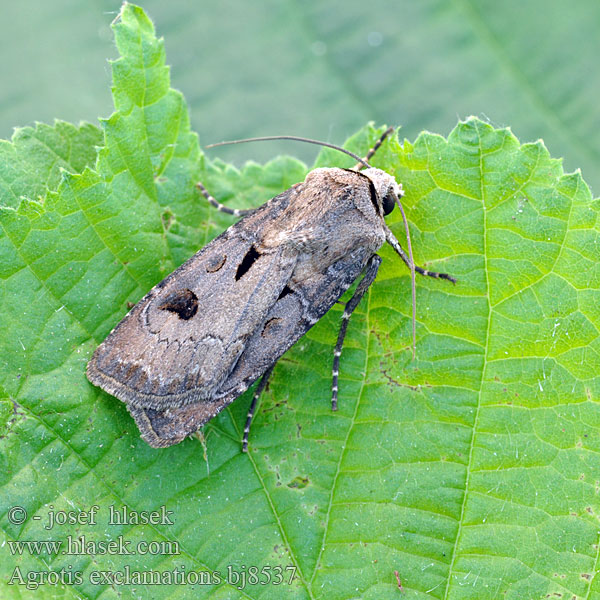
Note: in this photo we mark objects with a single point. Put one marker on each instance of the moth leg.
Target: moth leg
(236, 212)
(259, 390)
(395, 244)
(369, 276)
(374, 149)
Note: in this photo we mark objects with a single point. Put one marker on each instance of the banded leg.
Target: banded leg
(259, 390)
(236, 212)
(363, 286)
(375, 147)
(395, 244)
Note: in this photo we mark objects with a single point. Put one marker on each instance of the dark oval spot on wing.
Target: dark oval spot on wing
(214, 263)
(250, 258)
(182, 302)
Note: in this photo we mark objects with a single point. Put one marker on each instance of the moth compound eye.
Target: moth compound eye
(389, 202)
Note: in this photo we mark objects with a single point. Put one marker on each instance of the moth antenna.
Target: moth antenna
(360, 160)
(412, 278)
(376, 146)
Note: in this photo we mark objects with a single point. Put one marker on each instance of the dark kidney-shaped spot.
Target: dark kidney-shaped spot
(182, 302)
(285, 291)
(250, 258)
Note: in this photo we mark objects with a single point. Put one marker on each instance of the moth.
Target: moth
(202, 336)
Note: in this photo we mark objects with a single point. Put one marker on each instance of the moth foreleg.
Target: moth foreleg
(395, 244)
(236, 212)
(368, 278)
(259, 389)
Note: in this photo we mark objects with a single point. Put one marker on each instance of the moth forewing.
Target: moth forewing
(207, 332)
(178, 343)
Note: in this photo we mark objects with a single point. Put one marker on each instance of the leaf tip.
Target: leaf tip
(131, 15)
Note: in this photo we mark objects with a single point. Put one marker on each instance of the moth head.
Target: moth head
(387, 189)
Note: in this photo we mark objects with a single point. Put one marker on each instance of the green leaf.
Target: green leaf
(32, 163)
(472, 471)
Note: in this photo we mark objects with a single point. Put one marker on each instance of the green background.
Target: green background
(324, 68)
(472, 470)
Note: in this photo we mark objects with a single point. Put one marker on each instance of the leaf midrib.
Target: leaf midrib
(482, 379)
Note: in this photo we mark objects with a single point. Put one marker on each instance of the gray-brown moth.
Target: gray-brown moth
(206, 333)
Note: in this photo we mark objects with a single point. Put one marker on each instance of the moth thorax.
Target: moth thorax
(383, 182)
